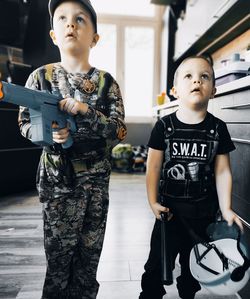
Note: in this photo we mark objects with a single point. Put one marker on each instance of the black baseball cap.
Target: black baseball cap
(85, 3)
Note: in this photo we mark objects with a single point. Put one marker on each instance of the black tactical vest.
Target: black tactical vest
(187, 179)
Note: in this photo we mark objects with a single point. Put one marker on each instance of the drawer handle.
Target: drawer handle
(242, 106)
(246, 141)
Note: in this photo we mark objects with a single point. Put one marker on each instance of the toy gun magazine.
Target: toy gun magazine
(43, 109)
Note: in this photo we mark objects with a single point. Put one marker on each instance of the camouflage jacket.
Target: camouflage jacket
(102, 126)
(97, 132)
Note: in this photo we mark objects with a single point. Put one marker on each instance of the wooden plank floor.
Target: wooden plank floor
(126, 245)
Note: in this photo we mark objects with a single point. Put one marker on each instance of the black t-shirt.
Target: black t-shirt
(187, 178)
(157, 137)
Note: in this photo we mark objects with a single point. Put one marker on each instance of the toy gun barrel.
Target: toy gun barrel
(22, 96)
(167, 274)
(43, 108)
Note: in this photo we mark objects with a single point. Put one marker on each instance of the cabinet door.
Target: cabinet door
(217, 9)
(18, 170)
(240, 161)
(10, 134)
(233, 108)
(199, 17)
(18, 156)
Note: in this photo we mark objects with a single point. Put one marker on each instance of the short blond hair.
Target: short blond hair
(208, 59)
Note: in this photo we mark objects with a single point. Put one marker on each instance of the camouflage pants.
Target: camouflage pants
(74, 227)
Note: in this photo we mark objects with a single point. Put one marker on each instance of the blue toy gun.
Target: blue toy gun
(44, 111)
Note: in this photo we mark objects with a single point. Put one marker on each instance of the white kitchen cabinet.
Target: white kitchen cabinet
(199, 17)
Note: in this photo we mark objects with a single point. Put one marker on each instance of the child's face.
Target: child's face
(194, 83)
(73, 30)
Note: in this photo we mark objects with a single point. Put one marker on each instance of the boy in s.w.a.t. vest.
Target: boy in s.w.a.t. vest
(188, 168)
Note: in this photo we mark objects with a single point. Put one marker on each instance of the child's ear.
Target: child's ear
(173, 92)
(53, 36)
(213, 93)
(95, 40)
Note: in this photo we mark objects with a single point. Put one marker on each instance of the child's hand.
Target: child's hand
(60, 136)
(73, 106)
(158, 209)
(231, 217)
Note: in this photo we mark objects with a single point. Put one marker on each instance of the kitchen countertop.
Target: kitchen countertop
(236, 85)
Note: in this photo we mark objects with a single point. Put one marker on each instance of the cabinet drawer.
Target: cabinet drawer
(10, 135)
(244, 293)
(241, 207)
(240, 162)
(18, 170)
(232, 108)
(239, 132)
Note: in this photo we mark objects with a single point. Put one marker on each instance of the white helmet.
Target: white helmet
(221, 266)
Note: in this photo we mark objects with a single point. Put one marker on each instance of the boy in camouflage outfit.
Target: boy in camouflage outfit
(73, 183)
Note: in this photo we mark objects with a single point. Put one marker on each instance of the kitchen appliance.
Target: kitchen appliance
(231, 71)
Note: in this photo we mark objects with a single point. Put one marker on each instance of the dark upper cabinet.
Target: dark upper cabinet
(25, 24)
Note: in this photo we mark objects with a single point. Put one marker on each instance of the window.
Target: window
(139, 56)
(128, 7)
(104, 55)
(129, 49)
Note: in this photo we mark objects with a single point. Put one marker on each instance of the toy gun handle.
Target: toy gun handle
(167, 274)
(72, 127)
(63, 123)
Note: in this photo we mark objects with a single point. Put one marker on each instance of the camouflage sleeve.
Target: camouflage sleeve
(24, 115)
(112, 126)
